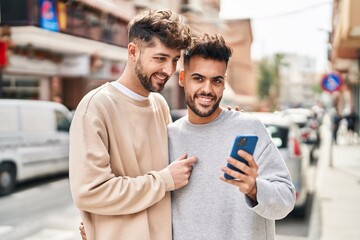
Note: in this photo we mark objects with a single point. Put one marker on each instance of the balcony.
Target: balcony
(346, 29)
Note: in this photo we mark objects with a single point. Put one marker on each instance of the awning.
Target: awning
(121, 9)
(65, 43)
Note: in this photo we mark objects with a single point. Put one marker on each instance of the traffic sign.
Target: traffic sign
(331, 82)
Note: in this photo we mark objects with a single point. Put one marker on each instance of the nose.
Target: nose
(169, 68)
(207, 86)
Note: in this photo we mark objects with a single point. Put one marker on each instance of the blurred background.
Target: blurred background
(297, 60)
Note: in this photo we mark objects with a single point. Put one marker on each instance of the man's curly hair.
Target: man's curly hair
(162, 24)
(209, 47)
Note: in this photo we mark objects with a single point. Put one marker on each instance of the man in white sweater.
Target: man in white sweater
(120, 178)
(210, 206)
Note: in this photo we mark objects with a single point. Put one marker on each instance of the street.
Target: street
(40, 209)
(43, 209)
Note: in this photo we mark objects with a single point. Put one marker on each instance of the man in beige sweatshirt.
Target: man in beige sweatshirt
(119, 173)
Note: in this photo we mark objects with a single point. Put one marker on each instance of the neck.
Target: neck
(196, 119)
(132, 82)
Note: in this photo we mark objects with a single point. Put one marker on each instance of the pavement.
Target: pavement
(338, 187)
(335, 212)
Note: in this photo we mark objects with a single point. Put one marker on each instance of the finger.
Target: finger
(228, 107)
(182, 157)
(237, 108)
(237, 164)
(230, 181)
(233, 173)
(191, 160)
(249, 158)
(81, 226)
(188, 169)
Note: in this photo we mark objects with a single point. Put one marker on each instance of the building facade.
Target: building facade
(58, 50)
(345, 47)
(297, 80)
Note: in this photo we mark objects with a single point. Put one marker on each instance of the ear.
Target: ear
(181, 77)
(132, 51)
(225, 80)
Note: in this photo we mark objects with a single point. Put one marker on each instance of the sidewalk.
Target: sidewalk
(338, 189)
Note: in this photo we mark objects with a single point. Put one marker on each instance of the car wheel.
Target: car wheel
(7, 178)
(302, 211)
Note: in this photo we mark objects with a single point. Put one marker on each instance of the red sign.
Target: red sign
(3, 50)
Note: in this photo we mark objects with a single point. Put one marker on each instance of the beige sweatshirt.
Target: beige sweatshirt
(118, 155)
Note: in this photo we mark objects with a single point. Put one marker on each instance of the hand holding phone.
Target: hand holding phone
(246, 143)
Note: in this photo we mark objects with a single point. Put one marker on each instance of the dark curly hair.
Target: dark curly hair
(209, 47)
(162, 24)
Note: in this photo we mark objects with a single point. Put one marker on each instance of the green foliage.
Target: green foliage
(265, 78)
(268, 79)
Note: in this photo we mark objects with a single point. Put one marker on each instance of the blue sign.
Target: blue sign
(331, 82)
(48, 18)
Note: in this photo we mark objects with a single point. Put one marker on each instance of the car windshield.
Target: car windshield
(279, 135)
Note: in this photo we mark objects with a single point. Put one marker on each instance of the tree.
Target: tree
(265, 79)
(268, 78)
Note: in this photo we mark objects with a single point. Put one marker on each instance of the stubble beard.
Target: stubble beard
(190, 102)
(145, 80)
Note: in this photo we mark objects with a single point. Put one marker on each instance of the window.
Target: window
(62, 122)
(20, 87)
(279, 135)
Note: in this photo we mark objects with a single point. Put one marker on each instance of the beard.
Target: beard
(146, 80)
(190, 102)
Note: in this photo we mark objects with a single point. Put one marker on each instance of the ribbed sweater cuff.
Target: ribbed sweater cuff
(168, 179)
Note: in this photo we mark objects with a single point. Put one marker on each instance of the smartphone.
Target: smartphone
(242, 142)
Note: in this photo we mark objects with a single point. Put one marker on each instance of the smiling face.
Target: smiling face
(204, 82)
(154, 65)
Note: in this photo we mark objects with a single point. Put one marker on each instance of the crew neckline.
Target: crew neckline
(128, 92)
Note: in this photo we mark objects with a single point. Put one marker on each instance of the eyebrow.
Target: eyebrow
(165, 55)
(199, 75)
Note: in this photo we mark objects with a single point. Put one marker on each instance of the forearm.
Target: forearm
(119, 195)
(275, 200)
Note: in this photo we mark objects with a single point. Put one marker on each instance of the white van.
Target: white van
(34, 140)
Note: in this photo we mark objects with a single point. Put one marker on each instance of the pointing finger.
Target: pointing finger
(191, 160)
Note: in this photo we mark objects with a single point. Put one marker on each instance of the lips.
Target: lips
(161, 77)
(205, 100)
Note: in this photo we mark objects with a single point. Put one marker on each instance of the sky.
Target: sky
(285, 26)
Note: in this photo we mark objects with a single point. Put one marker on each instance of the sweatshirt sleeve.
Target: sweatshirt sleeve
(275, 190)
(94, 186)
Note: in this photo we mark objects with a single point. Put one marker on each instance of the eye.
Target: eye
(160, 59)
(218, 80)
(198, 78)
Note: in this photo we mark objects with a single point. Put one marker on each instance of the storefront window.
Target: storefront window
(20, 88)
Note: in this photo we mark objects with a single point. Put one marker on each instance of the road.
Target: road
(294, 228)
(39, 210)
(43, 209)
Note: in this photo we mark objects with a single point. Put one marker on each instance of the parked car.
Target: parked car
(34, 141)
(287, 137)
(309, 126)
